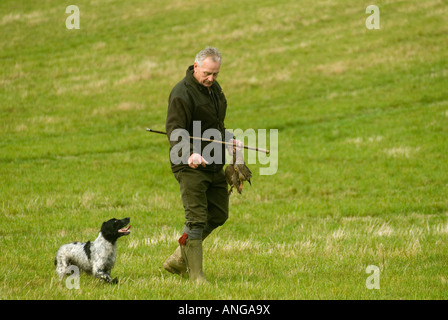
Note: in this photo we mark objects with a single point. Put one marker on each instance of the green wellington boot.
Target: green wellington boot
(192, 253)
(175, 263)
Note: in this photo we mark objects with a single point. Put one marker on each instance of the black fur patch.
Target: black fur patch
(109, 229)
(87, 249)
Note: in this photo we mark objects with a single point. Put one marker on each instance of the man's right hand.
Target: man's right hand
(195, 160)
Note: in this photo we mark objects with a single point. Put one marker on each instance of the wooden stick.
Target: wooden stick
(216, 141)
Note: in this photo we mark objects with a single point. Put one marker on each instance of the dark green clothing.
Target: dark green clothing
(205, 198)
(191, 101)
(204, 190)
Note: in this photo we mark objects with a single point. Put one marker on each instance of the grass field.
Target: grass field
(362, 119)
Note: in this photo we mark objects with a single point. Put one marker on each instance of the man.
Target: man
(197, 104)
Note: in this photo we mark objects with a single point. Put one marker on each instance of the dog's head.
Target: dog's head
(114, 229)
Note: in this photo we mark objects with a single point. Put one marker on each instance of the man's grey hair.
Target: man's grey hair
(211, 52)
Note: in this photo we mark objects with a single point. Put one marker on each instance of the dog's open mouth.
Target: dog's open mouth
(125, 231)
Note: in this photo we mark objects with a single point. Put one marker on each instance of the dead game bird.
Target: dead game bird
(237, 172)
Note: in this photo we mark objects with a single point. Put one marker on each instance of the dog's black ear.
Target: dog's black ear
(108, 231)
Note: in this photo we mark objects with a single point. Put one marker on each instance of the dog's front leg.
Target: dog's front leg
(104, 275)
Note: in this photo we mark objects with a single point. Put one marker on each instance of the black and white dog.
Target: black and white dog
(97, 257)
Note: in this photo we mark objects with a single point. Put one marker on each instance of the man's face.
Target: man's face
(207, 73)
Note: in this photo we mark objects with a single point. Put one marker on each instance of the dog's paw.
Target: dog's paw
(114, 280)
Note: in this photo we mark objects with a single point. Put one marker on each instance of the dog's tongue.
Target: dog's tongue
(125, 229)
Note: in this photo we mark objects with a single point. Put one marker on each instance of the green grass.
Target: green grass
(363, 142)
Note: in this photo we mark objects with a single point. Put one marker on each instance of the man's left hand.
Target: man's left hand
(236, 143)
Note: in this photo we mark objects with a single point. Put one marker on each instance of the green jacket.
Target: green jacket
(190, 101)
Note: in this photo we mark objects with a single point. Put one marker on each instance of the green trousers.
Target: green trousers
(205, 198)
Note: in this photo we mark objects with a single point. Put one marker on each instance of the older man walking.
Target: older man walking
(197, 104)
